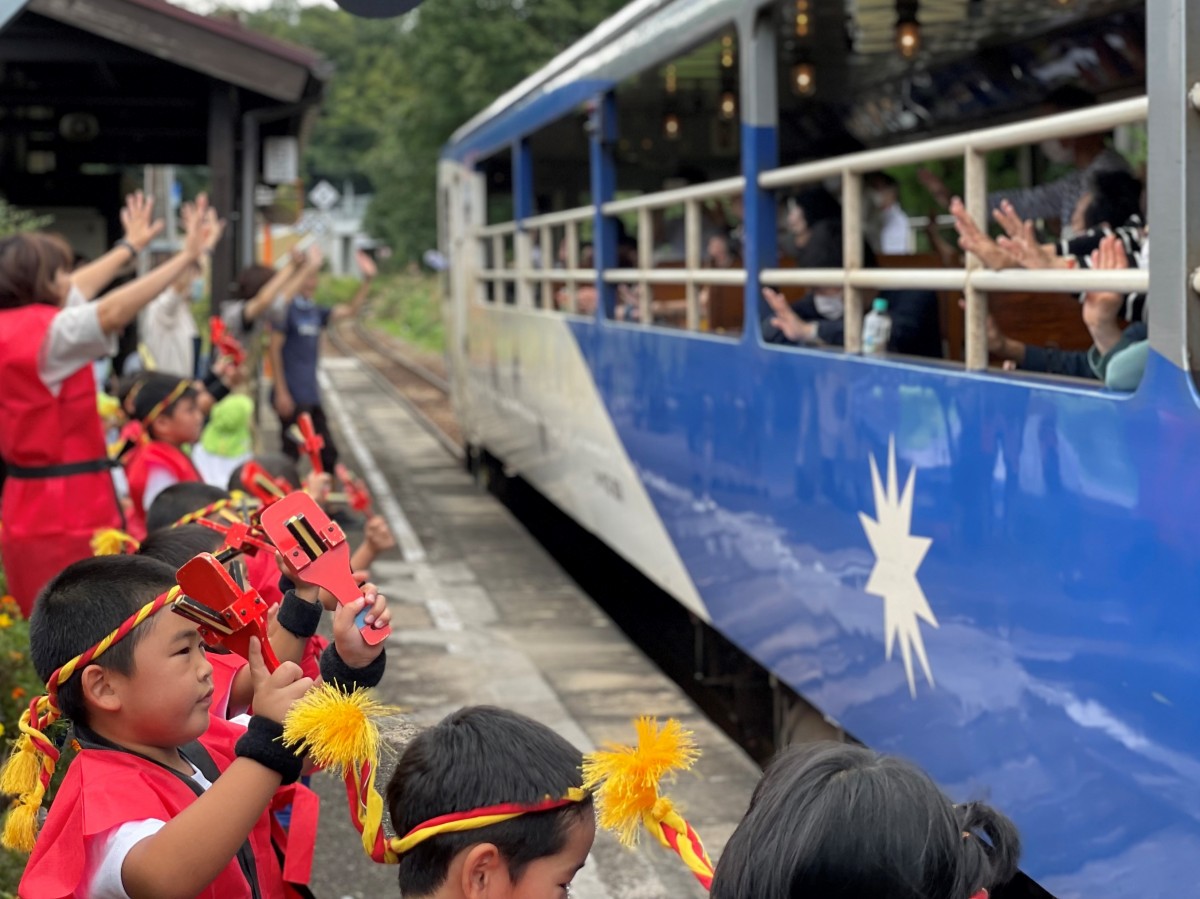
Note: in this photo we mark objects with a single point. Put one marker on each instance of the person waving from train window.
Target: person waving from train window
(59, 490)
(818, 318)
(1087, 154)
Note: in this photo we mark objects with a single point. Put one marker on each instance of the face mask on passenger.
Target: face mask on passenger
(829, 305)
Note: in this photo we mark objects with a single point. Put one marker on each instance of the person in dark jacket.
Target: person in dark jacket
(818, 318)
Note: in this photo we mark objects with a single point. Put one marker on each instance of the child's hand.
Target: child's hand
(352, 648)
(378, 534)
(330, 602)
(304, 590)
(274, 692)
(319, 486)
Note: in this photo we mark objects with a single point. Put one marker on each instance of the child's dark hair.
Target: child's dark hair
(177, 546)
(477, 757)
(156, 387)
(277, 465)
(85, 603)
(832, 819)
(181, 499)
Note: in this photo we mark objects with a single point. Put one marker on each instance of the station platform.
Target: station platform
(483, 615)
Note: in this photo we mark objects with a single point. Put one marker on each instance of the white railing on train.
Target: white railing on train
(973, 147)
(974, 281)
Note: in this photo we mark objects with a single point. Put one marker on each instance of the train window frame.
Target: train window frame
(639, 311)
(859, 282)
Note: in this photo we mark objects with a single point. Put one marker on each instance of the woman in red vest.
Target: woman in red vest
(59, 490)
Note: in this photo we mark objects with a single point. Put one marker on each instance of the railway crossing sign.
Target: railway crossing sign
(324, 196)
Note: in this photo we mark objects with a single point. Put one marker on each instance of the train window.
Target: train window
(877, 150)
(562, 267)
(496, 250)
(679, 196)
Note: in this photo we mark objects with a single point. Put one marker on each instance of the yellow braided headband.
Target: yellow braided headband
(31, 766)
(457, 822)
(165, 403)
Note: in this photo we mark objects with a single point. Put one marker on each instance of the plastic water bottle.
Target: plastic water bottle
(877, 329)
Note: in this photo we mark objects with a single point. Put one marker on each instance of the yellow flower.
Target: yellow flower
(14, 656)
(1, 729)
(5, 620)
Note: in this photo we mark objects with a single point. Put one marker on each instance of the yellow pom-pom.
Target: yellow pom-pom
(20, 774)
(21, 827)
(626, 778)
(336, 728)
(111, 542)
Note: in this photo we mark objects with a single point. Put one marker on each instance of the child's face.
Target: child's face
(165, 701)
(183, 424)
(549, 877)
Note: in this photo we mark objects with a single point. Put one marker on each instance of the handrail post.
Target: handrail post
(852, 258)
(523, 250)
(759, 103)
(546, 242)
(1172, 183)
(975, 188)
(645, 239)
(498, 291)
(691, 234)
(571, 235)
(602, 136)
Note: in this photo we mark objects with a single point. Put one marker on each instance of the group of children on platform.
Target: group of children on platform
(183, 781)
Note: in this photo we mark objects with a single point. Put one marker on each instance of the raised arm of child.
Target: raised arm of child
(275, 287)
(190, 850)
(366, 266)
(377, 539)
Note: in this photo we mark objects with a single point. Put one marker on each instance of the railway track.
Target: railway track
(424, 391)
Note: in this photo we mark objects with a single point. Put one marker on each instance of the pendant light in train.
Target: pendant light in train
(908, 28)
(804, 78)
(803, 18)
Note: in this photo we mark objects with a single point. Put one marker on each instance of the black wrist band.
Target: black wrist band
(133, 251)
(298, 616)
(263, 743)
(335, 671)
(286, 584)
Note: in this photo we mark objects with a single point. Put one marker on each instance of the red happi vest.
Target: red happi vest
(147, 455)
(59, 490)
(105, 788)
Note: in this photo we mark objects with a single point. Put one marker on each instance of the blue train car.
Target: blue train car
(987, 572)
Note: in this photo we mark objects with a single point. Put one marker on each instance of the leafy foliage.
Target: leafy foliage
(409, 306)
(20, 684)
(402, 86)
(17, 221)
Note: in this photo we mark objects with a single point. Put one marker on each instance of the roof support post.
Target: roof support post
(221, 173)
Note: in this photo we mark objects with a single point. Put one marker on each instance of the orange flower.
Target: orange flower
(18, 693)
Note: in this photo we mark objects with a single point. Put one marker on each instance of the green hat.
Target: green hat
(228, 431)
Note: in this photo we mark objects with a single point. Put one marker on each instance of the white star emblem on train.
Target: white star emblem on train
(898, 555)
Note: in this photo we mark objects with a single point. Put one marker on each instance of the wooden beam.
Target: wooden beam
(222, 163)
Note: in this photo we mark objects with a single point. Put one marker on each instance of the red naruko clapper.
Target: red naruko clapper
(316, 547)
(228, 614)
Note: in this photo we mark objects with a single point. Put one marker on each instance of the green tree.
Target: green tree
(461, 55)
(400, 87)
(368, 77)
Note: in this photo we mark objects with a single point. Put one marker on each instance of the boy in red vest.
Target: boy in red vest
(163, 799)
(171, 419)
